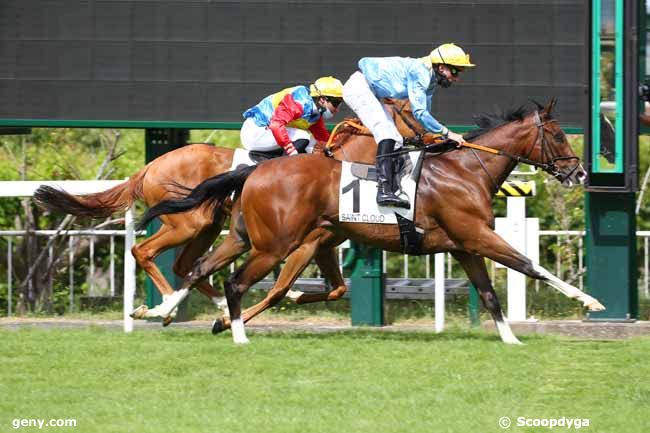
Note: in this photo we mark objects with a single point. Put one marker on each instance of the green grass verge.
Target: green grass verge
(356, 381)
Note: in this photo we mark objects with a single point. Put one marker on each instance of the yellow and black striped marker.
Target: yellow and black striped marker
(517, 188)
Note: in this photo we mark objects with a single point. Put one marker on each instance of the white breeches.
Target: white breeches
(358, 96)
(261, 138)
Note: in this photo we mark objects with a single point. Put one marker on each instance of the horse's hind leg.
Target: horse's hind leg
(193, 251)
(475, 269)
(145, 253)
(254, 269)
(327, 260)
(232, 247)
(294, 265)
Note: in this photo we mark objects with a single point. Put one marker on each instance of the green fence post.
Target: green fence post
(367, 287)
(611, 255)
(473, 306)
(158, 142)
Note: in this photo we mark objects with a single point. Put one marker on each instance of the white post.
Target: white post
(516, 281)
(439, 269)
(129, 269)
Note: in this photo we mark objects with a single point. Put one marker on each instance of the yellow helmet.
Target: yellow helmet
(450, 54)
(327, 86)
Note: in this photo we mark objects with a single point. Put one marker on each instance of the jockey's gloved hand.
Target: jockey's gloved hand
(456, 137)
(290, 150)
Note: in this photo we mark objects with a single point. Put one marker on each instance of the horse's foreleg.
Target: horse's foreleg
(476, 271)
(489, 244)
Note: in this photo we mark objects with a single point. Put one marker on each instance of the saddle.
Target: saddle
(401, 167)
(258, 156)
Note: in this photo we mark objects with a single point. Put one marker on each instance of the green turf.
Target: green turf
(356, 381)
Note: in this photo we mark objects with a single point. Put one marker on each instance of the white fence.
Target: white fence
(447, 265)
(27, 188)
(443, 263)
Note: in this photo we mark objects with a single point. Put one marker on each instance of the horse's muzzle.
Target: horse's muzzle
(572, 175)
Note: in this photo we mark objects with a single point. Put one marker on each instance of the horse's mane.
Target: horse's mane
(488, 122)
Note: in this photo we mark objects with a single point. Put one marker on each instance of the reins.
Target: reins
(547, 165)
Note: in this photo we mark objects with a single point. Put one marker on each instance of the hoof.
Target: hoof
(294, 295)
(139, 312)
(167, 321)
(595, 306)
(218, 326)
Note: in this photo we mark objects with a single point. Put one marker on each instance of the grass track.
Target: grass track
(357, 381)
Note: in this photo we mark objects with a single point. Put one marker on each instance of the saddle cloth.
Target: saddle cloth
(241, 157)
(358, 192)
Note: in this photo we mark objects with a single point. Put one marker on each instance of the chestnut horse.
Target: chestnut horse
(197, 230)
(454, 209)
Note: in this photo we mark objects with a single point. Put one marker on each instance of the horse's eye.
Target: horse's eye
(559, 137)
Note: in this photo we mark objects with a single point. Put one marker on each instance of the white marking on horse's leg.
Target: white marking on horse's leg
(222, 303)
(169, 303)
(238, 331)
(570, 291)
(506, 333)
(294, 294)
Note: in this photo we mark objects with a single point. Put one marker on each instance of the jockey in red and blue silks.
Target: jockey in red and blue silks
(286, 119)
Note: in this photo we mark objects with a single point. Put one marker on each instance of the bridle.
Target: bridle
(549, 157)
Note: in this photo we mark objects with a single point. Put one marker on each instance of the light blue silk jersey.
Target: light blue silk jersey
(401, 78)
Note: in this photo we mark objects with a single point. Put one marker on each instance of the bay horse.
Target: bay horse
(290, 212)
(198, 228)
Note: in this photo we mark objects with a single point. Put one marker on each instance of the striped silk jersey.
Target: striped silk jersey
(292, 107)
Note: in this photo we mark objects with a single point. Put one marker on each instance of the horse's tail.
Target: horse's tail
(214, 190)
(96, 205)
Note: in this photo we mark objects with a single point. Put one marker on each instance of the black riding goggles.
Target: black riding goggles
(334, 101)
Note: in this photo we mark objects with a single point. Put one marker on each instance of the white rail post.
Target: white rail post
(129, 269)
(517, 281)
(439, 269)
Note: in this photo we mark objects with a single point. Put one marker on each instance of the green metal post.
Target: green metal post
(158, 142)
(367, 287)
(473, 306)
(611, 255)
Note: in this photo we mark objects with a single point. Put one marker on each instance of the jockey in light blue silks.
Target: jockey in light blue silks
(401, 78)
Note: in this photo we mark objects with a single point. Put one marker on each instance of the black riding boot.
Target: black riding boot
(385, 194)
(301, 145)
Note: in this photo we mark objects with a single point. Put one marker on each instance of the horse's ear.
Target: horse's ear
(540, 107)
(551, 106)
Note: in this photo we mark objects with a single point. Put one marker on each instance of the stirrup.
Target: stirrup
(392, 200)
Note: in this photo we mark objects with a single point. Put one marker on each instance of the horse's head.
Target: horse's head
(552, 149)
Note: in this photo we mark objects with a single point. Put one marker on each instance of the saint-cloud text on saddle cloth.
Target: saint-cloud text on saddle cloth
(357, 196)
